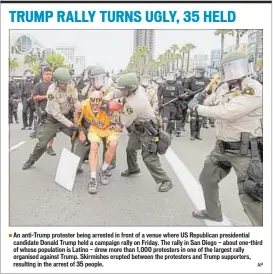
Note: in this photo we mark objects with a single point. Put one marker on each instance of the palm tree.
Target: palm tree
(259, 64)
(161, 63)
(168, 59)
(139, 58)
(222, 33)
(189, 48)
(13, 64)
(56, 60)
(174, 49)
(239, 34)
(30, 60)
(183, 51)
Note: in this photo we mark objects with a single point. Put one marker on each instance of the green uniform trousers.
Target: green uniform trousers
(45, 132)
(216, 167)
(151, 159)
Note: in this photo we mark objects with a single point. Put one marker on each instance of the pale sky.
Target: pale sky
(112, 49)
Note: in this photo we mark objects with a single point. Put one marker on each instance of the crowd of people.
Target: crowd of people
(96, 110)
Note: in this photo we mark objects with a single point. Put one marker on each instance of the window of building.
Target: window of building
(24, 44)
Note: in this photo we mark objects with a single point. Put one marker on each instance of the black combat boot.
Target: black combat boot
(199, 126)
(178, 133)
(50, 151)
(128, 173)
(203, 214)
(33, 135)
(165, 186)
(28, 164)
(193, 128)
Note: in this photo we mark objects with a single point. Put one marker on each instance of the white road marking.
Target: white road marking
(191, 186)
(16, 146)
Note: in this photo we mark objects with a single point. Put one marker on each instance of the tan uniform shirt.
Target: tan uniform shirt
(235, 111)
(137, 109)
(61, 102)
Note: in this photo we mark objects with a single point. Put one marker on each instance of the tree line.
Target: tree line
(55, 60)
(177, 57)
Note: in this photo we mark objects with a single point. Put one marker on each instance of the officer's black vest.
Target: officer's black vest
(198, 83)
(170, 91)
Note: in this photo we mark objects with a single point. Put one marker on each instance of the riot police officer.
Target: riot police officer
(138, 112)
(194, 83)
(238, 108)
(170, 112)
(27, 100)
(59, 109)
(12, 92)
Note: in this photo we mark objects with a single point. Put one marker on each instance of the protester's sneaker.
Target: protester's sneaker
(109, 172)
(103, 177)
(93, 186)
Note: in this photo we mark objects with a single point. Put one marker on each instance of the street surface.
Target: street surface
(36, 200)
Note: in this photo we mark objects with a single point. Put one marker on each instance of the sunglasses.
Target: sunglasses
(96, 100)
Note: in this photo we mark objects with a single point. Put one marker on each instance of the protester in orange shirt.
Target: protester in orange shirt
(95, 119)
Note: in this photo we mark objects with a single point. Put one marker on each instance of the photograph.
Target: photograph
(136, 128)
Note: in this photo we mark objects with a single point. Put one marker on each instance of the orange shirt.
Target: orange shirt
(98, 123)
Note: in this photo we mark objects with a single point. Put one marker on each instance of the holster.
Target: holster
(253, 184)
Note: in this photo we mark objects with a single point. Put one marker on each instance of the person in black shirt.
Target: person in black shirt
(27, 101)
(40, 96)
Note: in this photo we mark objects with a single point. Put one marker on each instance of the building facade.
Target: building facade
(215, 58)
(69, 52)
(80, 65)
(21, 45)
(200, 60)
(145, 38)
(255, 46)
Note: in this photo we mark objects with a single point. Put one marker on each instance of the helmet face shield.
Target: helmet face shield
(98, 81)
(145, 82)
(234, 70)
(198, 73)
(170, 77)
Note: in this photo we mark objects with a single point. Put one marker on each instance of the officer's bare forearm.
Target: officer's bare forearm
(40, 97)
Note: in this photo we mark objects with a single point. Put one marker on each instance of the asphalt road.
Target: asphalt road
(36, 200)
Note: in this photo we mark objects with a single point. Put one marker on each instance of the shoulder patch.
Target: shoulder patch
(50, 96)
(128, 109)
(248, 91)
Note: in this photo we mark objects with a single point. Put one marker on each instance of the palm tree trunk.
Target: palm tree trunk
(188, 61)
(183, 60)
(222, 45)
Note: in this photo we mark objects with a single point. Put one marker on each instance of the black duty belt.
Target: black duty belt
(230, 145)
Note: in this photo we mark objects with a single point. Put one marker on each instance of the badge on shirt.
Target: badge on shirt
(128, 110)
(50, 96)
(248, 91)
